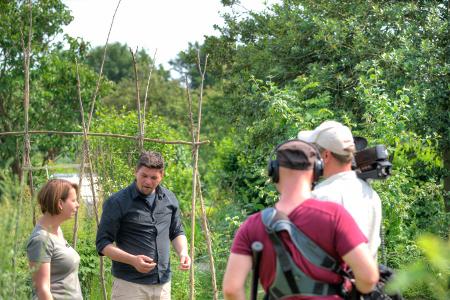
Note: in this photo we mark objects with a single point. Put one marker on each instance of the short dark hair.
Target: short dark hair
(343, 159)
(150, 159)
(53, 191)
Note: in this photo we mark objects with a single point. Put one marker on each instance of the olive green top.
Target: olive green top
(44, 247)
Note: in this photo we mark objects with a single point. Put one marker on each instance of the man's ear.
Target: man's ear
(326, 155)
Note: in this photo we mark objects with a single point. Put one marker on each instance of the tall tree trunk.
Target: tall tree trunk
(447, 179)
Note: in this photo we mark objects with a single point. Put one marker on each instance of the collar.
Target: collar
(340, 175)
(136, 194)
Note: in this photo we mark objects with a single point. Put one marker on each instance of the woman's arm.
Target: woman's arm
(41, 280)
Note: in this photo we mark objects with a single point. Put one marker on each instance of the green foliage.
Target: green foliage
(165, 96)
(48, 17)
(15, 225)
(432, 270)
(116, 158)
(118, 61)
(379, 67)
(272, 114)
(88, 271)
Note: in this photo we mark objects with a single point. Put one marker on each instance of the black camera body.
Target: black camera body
(371, 163)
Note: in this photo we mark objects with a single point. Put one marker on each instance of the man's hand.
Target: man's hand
(181, 247)
(185, 262)
(143, 264)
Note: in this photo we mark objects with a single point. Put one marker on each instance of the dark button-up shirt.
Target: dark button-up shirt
(139, 227)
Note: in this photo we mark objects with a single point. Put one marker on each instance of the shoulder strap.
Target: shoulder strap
(289, 278)
(276, 221)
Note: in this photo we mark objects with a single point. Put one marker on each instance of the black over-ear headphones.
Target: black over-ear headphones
(273, 168)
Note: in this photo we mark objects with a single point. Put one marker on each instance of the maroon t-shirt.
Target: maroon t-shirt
(328, 224)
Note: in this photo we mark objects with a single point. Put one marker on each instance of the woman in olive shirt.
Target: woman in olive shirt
(54, 263)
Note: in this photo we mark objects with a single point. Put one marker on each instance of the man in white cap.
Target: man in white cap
(341, 185)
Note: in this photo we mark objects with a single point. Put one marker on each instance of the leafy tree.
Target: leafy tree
(166, 97)
(406, 42)
(118, 61)
(54, 103)
(379, 67)
(47, 17)
(432, 270)
(116, 158)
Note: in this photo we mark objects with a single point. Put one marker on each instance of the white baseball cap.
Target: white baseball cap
(330, 135)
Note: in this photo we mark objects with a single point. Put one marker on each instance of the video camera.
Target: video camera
(371, 163)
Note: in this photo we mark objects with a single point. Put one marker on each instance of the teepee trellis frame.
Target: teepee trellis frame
(86, 156)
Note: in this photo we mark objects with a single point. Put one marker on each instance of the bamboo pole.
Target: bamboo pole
(146, 89)
(112, 135)
(138, 102)
(194, 191)
(97, 87)
(81, 170)
(208, 241)
(195, 138)
(200, 99)
(26, 144)
(91, 177)
(75, 223)
(47, 167)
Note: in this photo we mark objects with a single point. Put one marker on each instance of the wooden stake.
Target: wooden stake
(146, 90)
(26, 144)
(97, 87)
(112, 135)
(194, 191)
(195, 138)
(138, 102)
(208, 241)
(91, 177)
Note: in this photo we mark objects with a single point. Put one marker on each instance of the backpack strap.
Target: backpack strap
(276, 221)
(290, 279)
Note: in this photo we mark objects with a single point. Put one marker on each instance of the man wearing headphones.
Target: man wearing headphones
(327, 224)
(341, 185)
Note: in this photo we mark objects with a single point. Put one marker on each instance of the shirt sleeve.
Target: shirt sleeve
(347, 235)
(176, 227)
(40, 249)
(241, 243)
(109, 225)
(375, 239)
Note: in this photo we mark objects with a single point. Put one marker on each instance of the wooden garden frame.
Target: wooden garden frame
(86, 161)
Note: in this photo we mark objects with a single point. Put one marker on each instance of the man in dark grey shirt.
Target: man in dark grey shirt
(142, 220)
